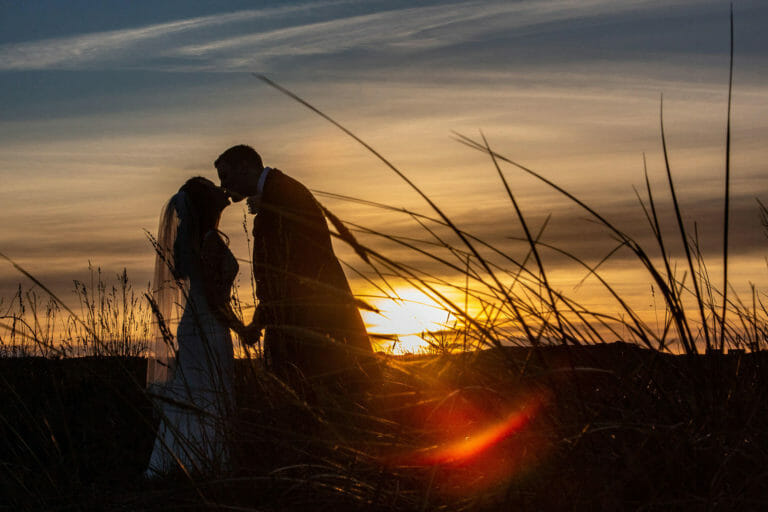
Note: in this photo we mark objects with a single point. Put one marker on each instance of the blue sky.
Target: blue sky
(107, 107)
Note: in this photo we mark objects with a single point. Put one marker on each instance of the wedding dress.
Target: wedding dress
(190, 378)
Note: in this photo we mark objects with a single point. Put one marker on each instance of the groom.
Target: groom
(313, 329)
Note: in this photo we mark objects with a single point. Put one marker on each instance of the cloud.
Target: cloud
(100, 48)
(246, 39)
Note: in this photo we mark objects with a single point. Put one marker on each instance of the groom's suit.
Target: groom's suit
(311, 321)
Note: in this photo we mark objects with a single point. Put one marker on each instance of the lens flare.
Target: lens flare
(464, 450)
(476, 452)
(476, 442)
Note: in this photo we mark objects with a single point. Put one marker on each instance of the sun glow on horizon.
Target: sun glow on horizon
(410, 316)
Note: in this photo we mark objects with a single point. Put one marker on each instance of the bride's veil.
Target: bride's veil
(170, 286)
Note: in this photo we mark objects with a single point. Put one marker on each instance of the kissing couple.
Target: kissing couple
(314, 337)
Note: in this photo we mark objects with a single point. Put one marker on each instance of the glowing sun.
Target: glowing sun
(408, 316)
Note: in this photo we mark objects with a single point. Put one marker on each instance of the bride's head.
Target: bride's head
(206, 202)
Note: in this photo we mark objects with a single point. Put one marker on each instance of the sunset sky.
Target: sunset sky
(106, 108)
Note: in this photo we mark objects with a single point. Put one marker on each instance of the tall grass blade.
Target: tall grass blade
(726, 213)
(683, 233)
(531, 242)
(630, 242)
(670, 294)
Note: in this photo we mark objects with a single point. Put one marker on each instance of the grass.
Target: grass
(113, 320)
(522, 402)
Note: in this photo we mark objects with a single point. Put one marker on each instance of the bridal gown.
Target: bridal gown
(197, 402)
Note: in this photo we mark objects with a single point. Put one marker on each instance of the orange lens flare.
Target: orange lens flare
(478, 442)
(478, 453)
(464, 450)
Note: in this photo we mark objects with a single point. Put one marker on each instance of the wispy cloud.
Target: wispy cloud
(94, 49)
(244, 39)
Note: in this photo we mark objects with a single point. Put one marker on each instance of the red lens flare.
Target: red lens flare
(475, 443)
(474, 451)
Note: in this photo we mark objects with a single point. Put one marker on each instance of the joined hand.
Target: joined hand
(250, 334)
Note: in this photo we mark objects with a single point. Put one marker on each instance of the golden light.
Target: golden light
(410, 317)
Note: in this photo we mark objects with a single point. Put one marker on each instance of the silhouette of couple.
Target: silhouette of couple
(314, 336)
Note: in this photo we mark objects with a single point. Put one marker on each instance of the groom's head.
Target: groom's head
(239, 169)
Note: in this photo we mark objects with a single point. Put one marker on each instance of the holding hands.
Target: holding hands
(250, 334)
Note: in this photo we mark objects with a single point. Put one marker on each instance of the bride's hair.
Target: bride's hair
(206, 202)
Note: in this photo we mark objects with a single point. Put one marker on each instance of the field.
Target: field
(602, 427)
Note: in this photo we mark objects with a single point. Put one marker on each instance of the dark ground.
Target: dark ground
(607, 427)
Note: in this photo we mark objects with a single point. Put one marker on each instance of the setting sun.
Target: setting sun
(410, 316)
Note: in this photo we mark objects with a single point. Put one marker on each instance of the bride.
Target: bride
(191, 378)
